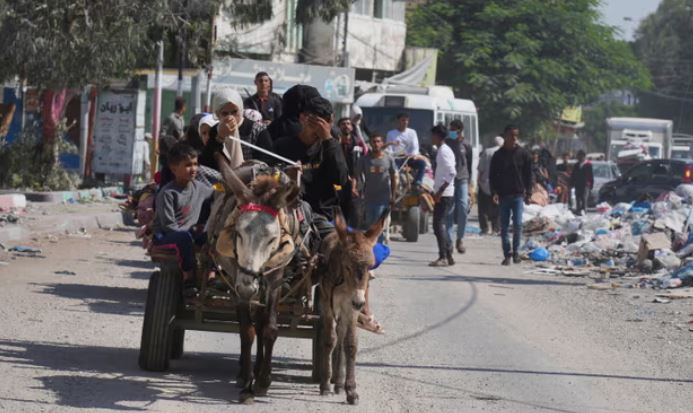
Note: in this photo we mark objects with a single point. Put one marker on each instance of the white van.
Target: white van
(426, 107)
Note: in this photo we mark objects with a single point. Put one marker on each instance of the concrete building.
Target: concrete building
(375, 38)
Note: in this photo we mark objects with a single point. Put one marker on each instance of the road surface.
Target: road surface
(474, 337)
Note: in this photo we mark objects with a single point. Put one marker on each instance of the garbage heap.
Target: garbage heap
(649, 240)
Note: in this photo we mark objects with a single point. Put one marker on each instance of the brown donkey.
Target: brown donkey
(347, 259)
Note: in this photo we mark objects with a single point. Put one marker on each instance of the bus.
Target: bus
(426, 107)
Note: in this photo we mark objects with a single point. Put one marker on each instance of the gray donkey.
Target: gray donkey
(347, 259)
(258, 239)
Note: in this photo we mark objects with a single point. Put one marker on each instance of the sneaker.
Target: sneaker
(506, 261)
(440, 262)
(460, 247)
(451, 261)
(516, 258)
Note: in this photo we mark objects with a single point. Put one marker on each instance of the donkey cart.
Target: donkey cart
(168, 315)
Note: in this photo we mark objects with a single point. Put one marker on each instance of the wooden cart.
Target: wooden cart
(167, 315)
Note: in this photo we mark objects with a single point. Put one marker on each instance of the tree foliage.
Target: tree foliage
(71, 43)
(664, 42)
(523, 61)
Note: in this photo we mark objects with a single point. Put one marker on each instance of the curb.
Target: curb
(60, 224)
(70, 197)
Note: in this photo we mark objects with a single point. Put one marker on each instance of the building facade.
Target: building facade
(375, 33)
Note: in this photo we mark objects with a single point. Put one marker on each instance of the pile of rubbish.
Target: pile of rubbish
(645, 239)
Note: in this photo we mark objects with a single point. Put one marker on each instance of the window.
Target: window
(364, 7)
(381, 9)
(640, 172)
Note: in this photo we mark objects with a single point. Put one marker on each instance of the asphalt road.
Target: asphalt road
(474, 337)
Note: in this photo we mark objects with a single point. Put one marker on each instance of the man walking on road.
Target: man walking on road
(511, 184)
(174, 125)
(582, 179)
(463, 162)
(488, 210)
(376, 173)
(444, 188)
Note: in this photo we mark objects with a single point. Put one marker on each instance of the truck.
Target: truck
(630, 140)
(682, 146)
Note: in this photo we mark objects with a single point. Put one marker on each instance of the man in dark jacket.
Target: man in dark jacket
(268, 103)
(511, 184)
(582, 179)
(324, 168)
(463, 166)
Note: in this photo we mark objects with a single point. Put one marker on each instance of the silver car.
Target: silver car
(603, 171)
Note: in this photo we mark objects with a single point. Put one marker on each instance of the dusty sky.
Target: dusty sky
(615, 10)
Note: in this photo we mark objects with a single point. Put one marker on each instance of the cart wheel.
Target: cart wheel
(177, 343)
(423, 223)
(410, 227)
(157, 335)
(317, 339)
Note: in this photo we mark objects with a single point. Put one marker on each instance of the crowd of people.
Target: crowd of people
(348, 166)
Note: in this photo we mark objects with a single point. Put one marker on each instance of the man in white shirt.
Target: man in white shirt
(444, 187)
(402, 144)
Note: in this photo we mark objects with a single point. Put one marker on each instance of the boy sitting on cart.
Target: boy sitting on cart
(181, 210)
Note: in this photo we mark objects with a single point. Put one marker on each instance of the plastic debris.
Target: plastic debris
(24, 248)
(539, 255)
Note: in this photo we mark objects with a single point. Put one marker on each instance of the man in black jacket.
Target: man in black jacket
(324, 167)
(268, 103)
(511, 185)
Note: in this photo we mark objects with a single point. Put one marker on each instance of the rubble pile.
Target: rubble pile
(647, 240)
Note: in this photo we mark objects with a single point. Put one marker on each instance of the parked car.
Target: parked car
(603, 171)
(647, 179)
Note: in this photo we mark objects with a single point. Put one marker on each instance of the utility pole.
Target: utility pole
(345, 52)
(156, 106)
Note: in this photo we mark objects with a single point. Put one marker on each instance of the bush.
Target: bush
(30, 162)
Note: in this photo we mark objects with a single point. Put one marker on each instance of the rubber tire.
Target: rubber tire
(317, 339)
(177, 343)
(163, 295)
(411, 223)
(424, 222)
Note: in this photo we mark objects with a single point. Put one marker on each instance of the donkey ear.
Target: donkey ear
(231, 179)
(340, 224)
(376, 229)
(287, 195)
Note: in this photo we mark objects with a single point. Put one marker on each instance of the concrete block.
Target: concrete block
(10, 201)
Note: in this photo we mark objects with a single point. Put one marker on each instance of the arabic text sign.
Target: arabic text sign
(119, 124)
(334, 83)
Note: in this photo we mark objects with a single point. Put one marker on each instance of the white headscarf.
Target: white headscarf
(499, 140)
(208, 120)
(232, 147)
(253, 115)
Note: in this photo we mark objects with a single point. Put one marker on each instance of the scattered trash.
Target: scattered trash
(540, 254)
(25, 249)
(470, 229)
(65, 272)
(659, 300)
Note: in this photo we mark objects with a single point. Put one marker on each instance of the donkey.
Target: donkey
(347, 259)
(259, 239)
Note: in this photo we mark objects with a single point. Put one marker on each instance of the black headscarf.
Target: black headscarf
(295, 101)
(192, 134)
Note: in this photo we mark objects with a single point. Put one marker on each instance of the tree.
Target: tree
(523, 61)
(664, 42)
